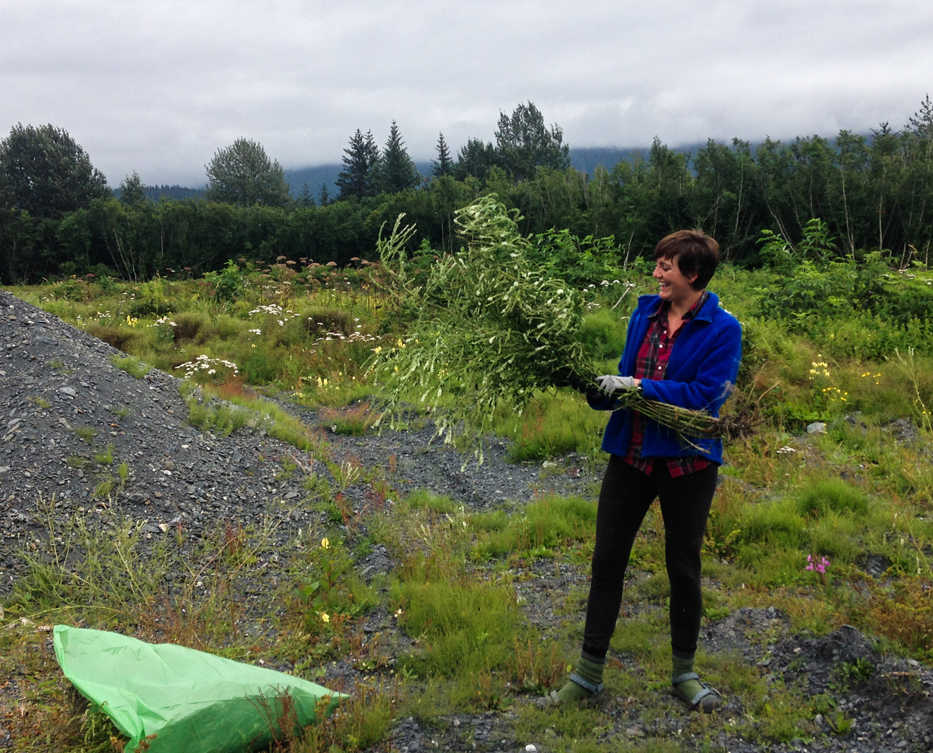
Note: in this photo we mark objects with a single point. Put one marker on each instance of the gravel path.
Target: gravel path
(69, 418)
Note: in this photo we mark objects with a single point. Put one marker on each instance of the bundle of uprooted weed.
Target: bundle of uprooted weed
(686, 422)
(489, 329)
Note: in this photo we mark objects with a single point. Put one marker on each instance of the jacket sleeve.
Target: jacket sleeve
(599, 401)
(717, 366)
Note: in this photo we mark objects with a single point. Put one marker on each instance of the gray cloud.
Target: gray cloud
(158, 86)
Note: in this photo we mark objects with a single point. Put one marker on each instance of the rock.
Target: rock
(817, 427)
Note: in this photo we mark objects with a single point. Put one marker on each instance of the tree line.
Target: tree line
(871, 191)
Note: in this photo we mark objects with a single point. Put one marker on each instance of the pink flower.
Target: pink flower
(819, 566)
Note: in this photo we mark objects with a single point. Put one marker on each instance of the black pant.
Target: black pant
(626, 495)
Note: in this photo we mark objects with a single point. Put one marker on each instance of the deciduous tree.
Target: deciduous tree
(132, 191)
(243, 174)
(47, 173)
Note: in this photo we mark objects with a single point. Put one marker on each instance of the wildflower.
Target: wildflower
(325, 543)
(325, 618)
(818, 566)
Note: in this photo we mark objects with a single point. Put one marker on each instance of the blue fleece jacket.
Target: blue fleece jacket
(701, 373)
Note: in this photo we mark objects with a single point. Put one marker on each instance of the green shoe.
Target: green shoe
(697, 695)
(586, 681)
(574, 691)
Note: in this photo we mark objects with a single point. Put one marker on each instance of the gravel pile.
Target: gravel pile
(69, 418)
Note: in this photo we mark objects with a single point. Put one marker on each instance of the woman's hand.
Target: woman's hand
(610, 384)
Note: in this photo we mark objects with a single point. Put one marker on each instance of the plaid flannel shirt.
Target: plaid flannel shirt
(651, 363)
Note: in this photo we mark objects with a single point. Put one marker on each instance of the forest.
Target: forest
(869, 192)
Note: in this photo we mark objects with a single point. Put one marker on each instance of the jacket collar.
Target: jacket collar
(651, 304)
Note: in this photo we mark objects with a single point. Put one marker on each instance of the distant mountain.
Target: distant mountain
(313, 177)
(586, 159)
(316, 176)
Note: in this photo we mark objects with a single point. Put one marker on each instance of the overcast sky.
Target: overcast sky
(157, 87)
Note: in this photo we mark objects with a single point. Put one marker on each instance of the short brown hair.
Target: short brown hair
(695, 252)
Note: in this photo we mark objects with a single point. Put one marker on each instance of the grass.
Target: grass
(355, 420)
(453, 638)
(131, 365)
(552, 425)
(544, 528)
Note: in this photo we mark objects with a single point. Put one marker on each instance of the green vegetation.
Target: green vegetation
(828, 200)
(132, 366)
(795, 524)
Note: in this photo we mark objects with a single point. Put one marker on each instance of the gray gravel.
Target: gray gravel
(63, 404)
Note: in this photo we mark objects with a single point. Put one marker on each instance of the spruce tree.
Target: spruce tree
(359, 166)
(523, 143)
(305, 199)
(443, 165)
(396, 169)
(475, 159)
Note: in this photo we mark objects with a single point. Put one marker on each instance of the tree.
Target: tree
(396, 171)
(305, 199)
(443, 165)
(523, 143)
(475, 158)
(324, 196)
(358, 177)
(132, 191)
(242, 174)
(45, 172)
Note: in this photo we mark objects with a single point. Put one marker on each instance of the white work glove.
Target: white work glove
(610, 384)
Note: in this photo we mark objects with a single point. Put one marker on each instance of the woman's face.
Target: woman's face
(673, 285)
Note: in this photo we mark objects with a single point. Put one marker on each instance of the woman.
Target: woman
(681, 348)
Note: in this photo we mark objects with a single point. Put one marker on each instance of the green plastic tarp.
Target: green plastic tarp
(179, 700)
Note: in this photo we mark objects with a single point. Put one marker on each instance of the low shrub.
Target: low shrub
(121, 338)
(905, 614)
(152, 298)
(191, 326)
(318, 322)
(355, 420)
